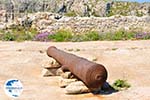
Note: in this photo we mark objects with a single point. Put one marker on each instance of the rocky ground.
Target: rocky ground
(123, 59)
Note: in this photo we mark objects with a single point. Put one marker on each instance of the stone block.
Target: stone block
(52, 63)
(65, 82)
(76, 88)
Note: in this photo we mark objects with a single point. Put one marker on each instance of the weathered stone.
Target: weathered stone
(65, 82)
(66, 75)
(76, 88)
(52, 63)
(10, 25)
(49, 72)
(59, 72)
(2, 26)
(52, 72)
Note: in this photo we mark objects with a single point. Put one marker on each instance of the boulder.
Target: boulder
(49, 72)
(52, 63)
(66, 75)
(76, 88)
(65, 82)
(52, 72)
(59, 72)
(2, 26)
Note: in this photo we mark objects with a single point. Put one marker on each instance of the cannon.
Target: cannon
(92, 74)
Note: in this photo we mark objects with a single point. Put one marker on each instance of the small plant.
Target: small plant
(18, 33)
(77, 38)
(61, 36)
(134, 48)
(71, 14)
(121, 84)
(114, 49)
(139, 14)
(106, 36)
(142, 35)
(95, 59)
(8, 37)
(25, 34)
(119, 35)
(77, 49)
(70, 49)
(89, 36)
(43, 36)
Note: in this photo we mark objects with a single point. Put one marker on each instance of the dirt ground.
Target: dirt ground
(128, 60)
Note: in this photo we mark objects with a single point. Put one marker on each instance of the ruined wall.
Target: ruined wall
(100, 24)
(89, 15)
(48, 22)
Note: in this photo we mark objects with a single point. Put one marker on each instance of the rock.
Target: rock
(43, 23)
(66, 75)
(49, 72)
(2, 26)
(76, 88)
(11, 25)
(51, 64)
(46, 72)
(57, 16)
(59, 72)
(65, 82)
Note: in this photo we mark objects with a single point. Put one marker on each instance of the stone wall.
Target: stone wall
(100, 24)
(49, 22)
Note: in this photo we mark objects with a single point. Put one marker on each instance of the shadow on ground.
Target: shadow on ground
(105, 90)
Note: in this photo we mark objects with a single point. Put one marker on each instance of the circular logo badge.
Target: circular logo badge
(13, 88)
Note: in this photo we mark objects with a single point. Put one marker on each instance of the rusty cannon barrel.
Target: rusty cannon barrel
(92, 74)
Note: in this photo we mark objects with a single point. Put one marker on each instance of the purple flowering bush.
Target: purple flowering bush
(43, 36)
(142, 35)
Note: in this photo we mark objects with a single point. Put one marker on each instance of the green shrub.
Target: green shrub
(119, 35)
(18, 33)
(71, 14)
(147, 37)
(139, 14)
(8, 37)
(121, 84)
(114, 49)
(89, 36)
(106, 36)
(77, 38)
(25, 36)
(61, 35)
(77, 49)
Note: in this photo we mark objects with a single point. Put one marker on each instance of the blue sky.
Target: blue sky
(135, 0)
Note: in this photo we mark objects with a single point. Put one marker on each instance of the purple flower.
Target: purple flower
(43, 36)
(142, 35)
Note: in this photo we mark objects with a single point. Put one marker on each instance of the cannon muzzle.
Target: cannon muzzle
(92, 74)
